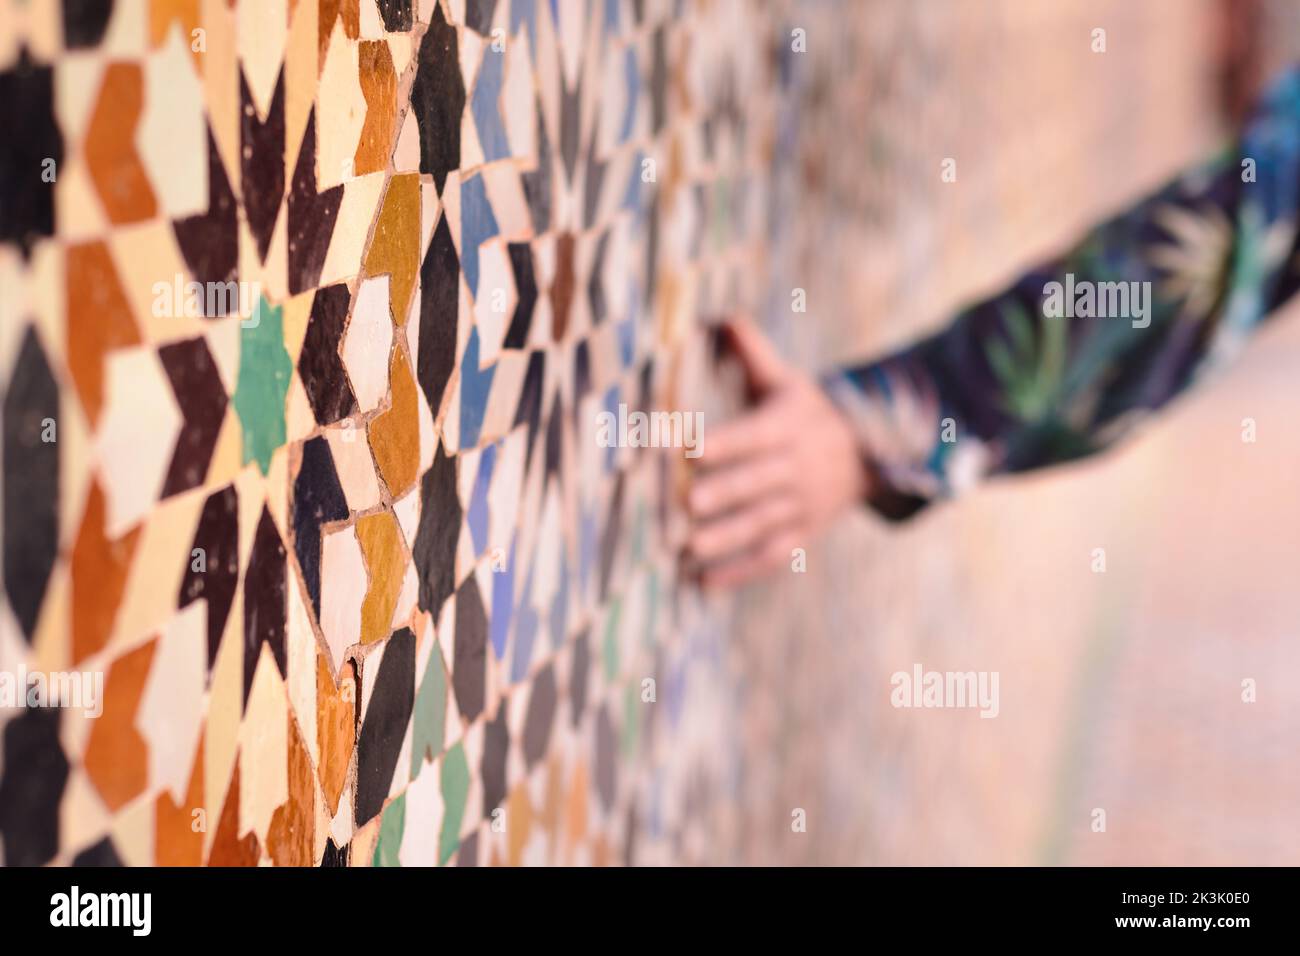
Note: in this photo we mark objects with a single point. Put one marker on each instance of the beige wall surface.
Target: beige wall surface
(1119, 691)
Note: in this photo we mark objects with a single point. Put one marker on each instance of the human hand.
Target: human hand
(774, 478)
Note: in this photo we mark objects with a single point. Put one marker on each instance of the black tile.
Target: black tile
(396, 15)
(31, 787)
(31, 482)
(389, 711)
(438, 98)
(32, 137)
(540, 716)
(262, 161)
(101, 854)
(209, 241)
(213, 572)
(264, 599)
(439, 313)
(469, 667)
(521, 323)
(84, 22)
(319, 366)
(435, 539)
(317, 498)
(312, 216)
(496, 746)
(201, 398)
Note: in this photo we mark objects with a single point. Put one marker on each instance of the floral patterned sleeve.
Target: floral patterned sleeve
(1072, 354)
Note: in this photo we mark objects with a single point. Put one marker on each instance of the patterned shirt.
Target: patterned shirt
(1075, 352)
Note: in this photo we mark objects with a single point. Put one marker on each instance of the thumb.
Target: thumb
(763, 364)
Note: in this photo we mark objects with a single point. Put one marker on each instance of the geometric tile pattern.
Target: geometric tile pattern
(308, 306)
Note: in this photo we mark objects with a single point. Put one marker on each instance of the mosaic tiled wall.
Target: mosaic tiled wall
(306, 304)
(351, 569)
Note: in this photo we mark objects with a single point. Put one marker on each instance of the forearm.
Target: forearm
(1071, 355)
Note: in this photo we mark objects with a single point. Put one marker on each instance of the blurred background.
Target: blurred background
(1122, 690)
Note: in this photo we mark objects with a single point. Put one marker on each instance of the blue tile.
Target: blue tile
(611, 406)
(627, 341)
(632, 77)
(525, 11)
(560, 606)
(632, 197)
(485, 106)
(586, 544)
(478, 501)
(475, 386)
(525, 631)
(503, 598)
(477, 225)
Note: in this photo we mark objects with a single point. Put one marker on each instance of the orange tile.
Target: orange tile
(336, 728)
(519, 824)
(395, 246)
(379, 87)
(177, 841)
(115, 167)
(117, 757)
(386, 558)
(291, 838)
(99, 571)
(395, 432)
(228, 848)
(99, 320)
